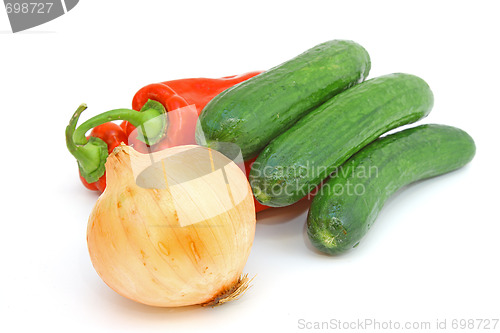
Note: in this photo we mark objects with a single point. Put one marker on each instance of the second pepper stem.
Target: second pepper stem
(150, 123)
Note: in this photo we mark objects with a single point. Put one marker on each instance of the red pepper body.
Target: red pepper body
(101, 183)
(127, 127)
(201, 91)
(110, 133)
(90, 186)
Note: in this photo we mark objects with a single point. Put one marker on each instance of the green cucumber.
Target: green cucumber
(347, 205)
(298, 160)
(252, 113)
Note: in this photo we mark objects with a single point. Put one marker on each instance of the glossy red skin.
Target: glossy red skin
(90, 186)
(200, 91)
(127, 127)
(110, 133)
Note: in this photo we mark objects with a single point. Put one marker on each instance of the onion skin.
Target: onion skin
(140, 250)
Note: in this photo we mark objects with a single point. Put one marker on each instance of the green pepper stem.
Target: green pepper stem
(89, 155)
(137, 119)
(70, 129)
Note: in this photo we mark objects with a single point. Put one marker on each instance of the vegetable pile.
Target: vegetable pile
(191, 163)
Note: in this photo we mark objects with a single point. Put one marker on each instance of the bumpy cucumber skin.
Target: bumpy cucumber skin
(252, 113)
(298, 160)
(338, 220)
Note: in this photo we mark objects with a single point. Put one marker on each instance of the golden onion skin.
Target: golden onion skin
(139, 248)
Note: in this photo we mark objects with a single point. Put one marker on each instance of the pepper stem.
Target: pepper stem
(91, 155)
(150, 122)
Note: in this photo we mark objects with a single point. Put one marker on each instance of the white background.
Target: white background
(432, 254)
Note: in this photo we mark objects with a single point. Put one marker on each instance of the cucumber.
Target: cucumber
(348, 204)
(298, 160)
(252, 113)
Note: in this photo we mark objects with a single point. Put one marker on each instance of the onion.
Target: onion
(173, 228)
